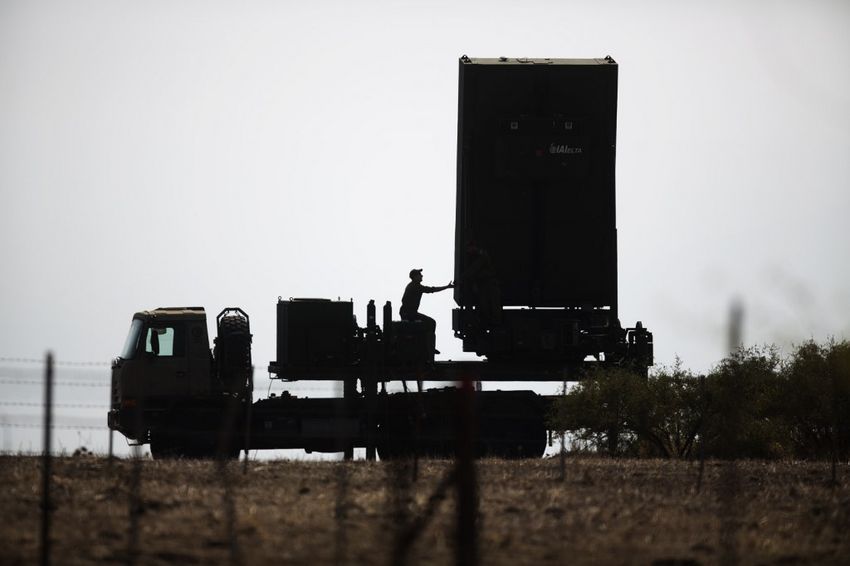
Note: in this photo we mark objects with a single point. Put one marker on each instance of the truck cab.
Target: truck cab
(166, 359)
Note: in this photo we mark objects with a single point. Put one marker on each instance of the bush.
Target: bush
(753, 404)
(816, 400)
(742, 403)
(597, 410)
(671, 412)
(623, 413)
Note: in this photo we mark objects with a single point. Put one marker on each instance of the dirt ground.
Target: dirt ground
(285, 512)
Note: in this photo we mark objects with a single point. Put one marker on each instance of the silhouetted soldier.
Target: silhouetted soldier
(409, 310)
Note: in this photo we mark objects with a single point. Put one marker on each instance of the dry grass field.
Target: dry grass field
(285, 512)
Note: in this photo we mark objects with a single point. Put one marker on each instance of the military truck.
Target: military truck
(536, 295)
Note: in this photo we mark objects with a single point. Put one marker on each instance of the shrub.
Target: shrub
(816, 400)
(670, 412)
(597, 410)
(752, 404)
(742, 403)
(620, 412)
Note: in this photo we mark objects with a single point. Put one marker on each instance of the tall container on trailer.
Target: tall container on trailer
(535, 204)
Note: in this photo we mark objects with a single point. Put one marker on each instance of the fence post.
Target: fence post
(224, 449)
(45, 469)
(730, 485)
(563, 451)
(248, 421)
(834, 436)
(701, 433)
(134, 491)
(467, 507)
(371, 382)
(111, 455)
(346, 393)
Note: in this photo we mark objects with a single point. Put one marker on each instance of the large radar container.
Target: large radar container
(535, 179)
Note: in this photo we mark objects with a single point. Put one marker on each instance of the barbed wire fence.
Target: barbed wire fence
(77, 395)
(409, 525)
(85, 385)
(133, 485)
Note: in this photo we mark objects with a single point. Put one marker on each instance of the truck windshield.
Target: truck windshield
(132, 343)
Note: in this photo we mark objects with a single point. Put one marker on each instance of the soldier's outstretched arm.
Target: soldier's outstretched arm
(426, 289)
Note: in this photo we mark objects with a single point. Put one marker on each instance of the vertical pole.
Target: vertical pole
(371, 382)
(113, 385)
(349, 391)
(467, 544)
(730, 514)
(343, 439)
(371, 393)
(417, 424)
(250, 404)
(834, 380)
(134, 491)
(563, 451)
(45, 468)
(6, 442)
(227, 438)
(341, 513)
(701, 434)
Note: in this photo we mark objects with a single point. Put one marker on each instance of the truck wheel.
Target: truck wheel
(234, 341)
(233, 353)
(163, 447)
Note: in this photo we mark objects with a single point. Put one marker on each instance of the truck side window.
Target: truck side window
(165, 341)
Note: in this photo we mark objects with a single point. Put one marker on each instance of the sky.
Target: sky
(229, 153)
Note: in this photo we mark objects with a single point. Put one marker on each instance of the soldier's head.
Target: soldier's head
(416, 275)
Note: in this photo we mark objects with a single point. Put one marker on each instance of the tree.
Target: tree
(670, 412)
(816, 399)
(753, 404)
(743, 415)
(597, 411)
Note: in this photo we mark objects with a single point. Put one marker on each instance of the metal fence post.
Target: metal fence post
(563, 434)
(730, 485)
(701, 433)
(134, 491)
(111, 454)
(45, 469)
(250, 403)
(467, 508)
(223, 451)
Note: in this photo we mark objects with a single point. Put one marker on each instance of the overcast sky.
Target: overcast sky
(227, 153)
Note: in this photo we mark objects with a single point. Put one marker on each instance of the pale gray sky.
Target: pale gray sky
(227, 153)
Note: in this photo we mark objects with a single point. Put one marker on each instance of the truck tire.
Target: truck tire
(197, 432)
(165, 447)
(508, 424)
(233, 353)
